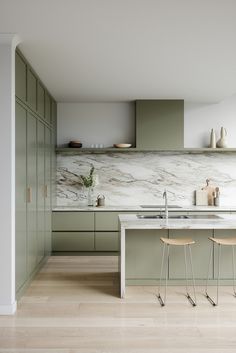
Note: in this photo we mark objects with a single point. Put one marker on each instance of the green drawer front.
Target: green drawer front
(107, 241)
(72, 241)
(106, 221)
(75, 221)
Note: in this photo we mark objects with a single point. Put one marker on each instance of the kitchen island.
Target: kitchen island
(204, 227)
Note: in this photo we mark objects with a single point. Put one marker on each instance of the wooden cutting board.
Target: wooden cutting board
(210, 189)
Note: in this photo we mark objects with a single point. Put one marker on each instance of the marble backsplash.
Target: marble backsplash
(134, 178)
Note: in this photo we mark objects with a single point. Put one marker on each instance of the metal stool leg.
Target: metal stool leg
(162, 302)
(218, 278)
(192, 302)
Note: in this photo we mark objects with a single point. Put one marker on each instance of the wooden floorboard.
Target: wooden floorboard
(73, 306)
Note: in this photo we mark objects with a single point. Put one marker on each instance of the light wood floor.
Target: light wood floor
(72, 306)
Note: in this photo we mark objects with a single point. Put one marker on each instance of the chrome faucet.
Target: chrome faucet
(166, 203)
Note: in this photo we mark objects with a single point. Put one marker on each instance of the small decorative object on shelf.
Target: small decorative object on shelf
(222, 142)
(75, 144)
(88, 182)
(216, 196)
(122, 145)
(100, 200)
(212, 139)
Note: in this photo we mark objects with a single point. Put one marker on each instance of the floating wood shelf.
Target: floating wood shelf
(68, 150)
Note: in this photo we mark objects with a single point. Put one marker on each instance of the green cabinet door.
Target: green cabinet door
(73, 241)
(31, 89)
(143, 253)
(200, 254)
(226, 270)
(20, 74)
(54, 114)
(73, 221)
(40, 99)
(107, 241)
(48, 209)
(160, 124)
(21, 238)
(40, 190)
(47, 108)
(106, 221)
(31, 192)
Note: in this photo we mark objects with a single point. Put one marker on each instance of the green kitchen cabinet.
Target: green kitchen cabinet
(48, 208)
(226, 270)
(200, 254)
(73, 221)
(47, 114)
(106, 221)
(143, 253)
(54, 113)
(21, 239)
(160, 124)
(73, 241)
(40, 190)
(40, 99)
(20, 72)
(107, 241)
(31, 192)
(31, 89)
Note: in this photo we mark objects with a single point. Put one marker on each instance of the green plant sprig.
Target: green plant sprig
(88, 180)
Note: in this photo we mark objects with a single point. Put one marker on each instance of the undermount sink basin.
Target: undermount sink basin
(160, 206)
(148, 216)
(140, 216)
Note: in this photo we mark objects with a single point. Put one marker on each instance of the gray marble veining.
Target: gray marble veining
(135, 178)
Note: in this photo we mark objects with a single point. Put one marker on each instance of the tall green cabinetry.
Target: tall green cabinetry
(35, 141)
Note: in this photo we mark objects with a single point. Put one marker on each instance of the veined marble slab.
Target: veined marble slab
(135, 178)
(120, 208)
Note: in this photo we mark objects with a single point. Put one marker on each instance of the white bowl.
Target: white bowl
(122, 145)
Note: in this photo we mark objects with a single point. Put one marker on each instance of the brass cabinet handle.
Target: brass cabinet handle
(29, 194)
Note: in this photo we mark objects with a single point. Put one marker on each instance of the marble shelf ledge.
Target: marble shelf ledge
(139, 209)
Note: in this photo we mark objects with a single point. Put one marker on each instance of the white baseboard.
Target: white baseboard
(8, 309)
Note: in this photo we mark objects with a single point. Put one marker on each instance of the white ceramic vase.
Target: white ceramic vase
(222, 142)
(212, 139)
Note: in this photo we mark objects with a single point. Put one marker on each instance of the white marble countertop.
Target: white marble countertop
(139, 208)
(224, 221)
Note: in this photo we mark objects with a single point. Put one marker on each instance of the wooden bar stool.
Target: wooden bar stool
(220, 241)
(177, 242)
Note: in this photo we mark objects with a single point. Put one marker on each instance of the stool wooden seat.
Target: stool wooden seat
(220, 242)
(224, 241)
(180, 241)
(186, 243)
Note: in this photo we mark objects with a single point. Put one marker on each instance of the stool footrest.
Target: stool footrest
(192, 302)
(160, 300)
(210, 300)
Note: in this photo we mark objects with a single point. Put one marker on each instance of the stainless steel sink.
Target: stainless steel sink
(160, 206)
(141, 216)
(148, 216)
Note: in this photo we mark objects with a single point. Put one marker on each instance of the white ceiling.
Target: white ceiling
(120, 50)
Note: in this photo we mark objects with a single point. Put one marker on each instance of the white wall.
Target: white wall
(109, 123)
(96, 123)
(7, 177)
(201, 118)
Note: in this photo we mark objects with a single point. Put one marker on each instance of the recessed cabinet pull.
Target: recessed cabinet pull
(29, 194)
